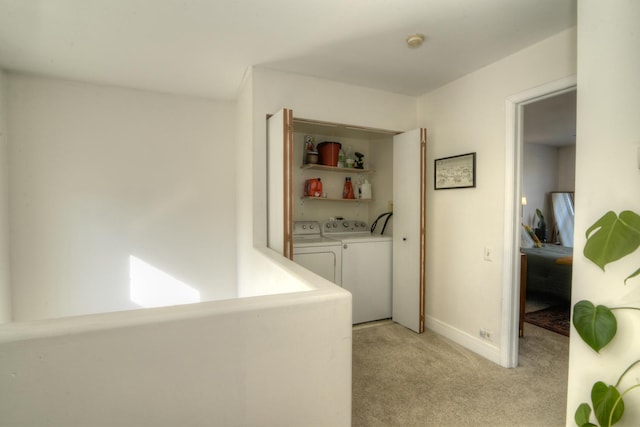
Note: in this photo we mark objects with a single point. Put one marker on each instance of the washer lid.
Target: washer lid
(313, 241)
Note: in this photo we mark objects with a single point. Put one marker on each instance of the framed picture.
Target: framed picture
(455, 172)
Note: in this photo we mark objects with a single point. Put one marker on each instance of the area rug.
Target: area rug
(555, 318)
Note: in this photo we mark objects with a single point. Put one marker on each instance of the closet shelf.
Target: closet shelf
(312, 166)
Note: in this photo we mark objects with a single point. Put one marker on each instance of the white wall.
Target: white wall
(607, 178)
(539, 177)
(5, 286)
(280, 360)
(468, 115)
(567, 168)
(98, 174)
(545, 169)
(276, 360)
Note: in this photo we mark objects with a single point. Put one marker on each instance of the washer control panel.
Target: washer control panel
(344, 226)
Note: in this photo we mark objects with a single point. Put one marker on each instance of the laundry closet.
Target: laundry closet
(313, 220)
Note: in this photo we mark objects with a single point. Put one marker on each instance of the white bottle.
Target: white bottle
(350, 160)
(341, 159)
(365, 190)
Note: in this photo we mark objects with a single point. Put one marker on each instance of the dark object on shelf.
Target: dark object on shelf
(328, 153)
(359, 164)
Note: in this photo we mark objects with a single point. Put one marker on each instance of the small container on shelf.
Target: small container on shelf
(365, 190)
(341, 159)
(347, 192)
(328, 153)
(313, 187)
(310, 152)
(349, 160)
(311, 158)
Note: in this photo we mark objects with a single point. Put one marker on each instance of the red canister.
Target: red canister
(313, 187)
(328, 153)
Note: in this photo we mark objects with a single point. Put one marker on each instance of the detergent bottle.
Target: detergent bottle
(365, 190)
(347, 192)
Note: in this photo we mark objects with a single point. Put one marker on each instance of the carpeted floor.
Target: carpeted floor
(555, 318)
(401, 378)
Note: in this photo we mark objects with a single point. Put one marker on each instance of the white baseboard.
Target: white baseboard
(486, 349)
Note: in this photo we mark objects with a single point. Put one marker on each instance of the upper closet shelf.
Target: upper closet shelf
(335, 169)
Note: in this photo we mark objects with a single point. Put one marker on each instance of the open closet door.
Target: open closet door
(409, 243)
(280, 182)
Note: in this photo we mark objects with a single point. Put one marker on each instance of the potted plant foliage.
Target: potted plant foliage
(541, 231)
(609, 239)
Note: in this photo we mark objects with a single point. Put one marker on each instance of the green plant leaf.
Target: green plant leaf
(583, 413)
(603, 398)
(634, 274)
(596, 325)
(612, 237)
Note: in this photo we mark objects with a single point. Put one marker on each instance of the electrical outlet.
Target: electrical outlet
(486, 334)
(488, 254)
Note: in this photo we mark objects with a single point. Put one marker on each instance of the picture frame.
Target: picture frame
(455, 172)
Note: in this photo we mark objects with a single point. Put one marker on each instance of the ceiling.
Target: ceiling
(203, 47)
(551, 121)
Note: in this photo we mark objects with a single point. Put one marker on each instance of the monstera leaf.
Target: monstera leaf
(596, 325)
(604, 398)
(612, 237)
(583, 413)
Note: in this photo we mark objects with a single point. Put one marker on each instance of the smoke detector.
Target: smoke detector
(415, 40)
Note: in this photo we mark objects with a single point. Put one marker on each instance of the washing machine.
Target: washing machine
(317, 253)
(366, 268)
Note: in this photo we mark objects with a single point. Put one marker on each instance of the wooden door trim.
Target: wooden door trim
(287, 183)
(423, 226)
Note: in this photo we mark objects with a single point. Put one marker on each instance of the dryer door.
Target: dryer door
(324, 264)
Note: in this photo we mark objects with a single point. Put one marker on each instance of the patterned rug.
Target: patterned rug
(555, 318)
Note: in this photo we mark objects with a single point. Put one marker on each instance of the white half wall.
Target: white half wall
(99, 174)
(5, 286)
(468, 115)
(279, 360)
(607, 178)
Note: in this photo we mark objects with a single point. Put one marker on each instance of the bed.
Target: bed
(549, 271)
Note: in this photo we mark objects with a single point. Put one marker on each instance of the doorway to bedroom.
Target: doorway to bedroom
(515, 337)
(548, 191)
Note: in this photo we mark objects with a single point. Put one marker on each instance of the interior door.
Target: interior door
(409, 217)
(280, 182)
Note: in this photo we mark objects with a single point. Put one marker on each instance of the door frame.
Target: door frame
(514, 107)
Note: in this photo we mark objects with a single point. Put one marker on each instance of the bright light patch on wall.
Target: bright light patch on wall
(151, 287)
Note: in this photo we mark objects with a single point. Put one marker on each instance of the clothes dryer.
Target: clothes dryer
(315, 252)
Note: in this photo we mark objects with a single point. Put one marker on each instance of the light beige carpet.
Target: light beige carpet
(401, 378)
